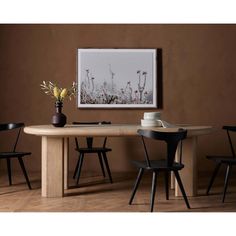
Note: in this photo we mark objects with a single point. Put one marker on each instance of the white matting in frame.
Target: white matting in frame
(117, 78)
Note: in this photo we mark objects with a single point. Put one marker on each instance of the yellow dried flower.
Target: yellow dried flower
(60, 94)
(56, 92)
(63, 93)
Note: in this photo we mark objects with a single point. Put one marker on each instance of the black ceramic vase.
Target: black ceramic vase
(58, 119)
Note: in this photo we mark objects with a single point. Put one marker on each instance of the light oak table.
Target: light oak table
(55, 152)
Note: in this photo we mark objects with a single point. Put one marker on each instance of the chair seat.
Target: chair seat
(223, 159)
(13, 154)
(158, 165)
(93, 150)
(227, 160)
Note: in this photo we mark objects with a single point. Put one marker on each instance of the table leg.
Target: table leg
(52, 166)
(172, 180)
(189, 173)
(66, 163)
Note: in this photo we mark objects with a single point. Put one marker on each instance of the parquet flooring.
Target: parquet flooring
(97, 195)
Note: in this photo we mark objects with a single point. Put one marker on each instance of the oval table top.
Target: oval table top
(111, 130)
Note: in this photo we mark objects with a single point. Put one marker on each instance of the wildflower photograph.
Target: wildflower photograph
(116, 78)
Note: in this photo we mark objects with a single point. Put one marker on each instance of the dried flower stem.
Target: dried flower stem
(59, 93)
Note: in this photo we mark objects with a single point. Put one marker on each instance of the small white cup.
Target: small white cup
(150, 123)
(152, 115)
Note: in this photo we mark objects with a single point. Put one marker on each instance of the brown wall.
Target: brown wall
(199, 79)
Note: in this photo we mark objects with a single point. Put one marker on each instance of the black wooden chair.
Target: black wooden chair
(14, 154)
(167, 165)
(100, 151)
(229, 161)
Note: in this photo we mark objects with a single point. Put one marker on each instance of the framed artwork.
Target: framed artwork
(117, 78)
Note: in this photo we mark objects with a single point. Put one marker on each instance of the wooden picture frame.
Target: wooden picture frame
(117, 78)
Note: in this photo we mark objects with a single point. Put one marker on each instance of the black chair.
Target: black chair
(165, 165)
(100, 151)
(14, 153)
(229, 161)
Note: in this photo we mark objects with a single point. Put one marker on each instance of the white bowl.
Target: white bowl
(152, 115)
(150, 123)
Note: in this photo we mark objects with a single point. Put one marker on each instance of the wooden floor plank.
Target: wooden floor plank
(98, 195)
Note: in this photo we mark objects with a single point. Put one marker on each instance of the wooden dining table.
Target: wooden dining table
(55, 152)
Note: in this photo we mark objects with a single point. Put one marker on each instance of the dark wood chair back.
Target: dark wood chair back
(172, 140)
(228, 130)
(90, 139)
(11, 126)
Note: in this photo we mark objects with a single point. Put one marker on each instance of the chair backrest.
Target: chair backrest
(228, 130)
(11, 126)
(172, 140)
(90, 139)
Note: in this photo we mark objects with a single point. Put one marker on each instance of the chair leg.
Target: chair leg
(213, 178)
(167, 184)
(136, 185)
(24, 171)
(9, 170)
(101, 164)
(107, 166)
(76, 168)
(81, 158)
(226, 181)
(153, 192)
(181, 188)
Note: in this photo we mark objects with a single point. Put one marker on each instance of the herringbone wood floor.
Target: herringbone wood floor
(98, 195)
